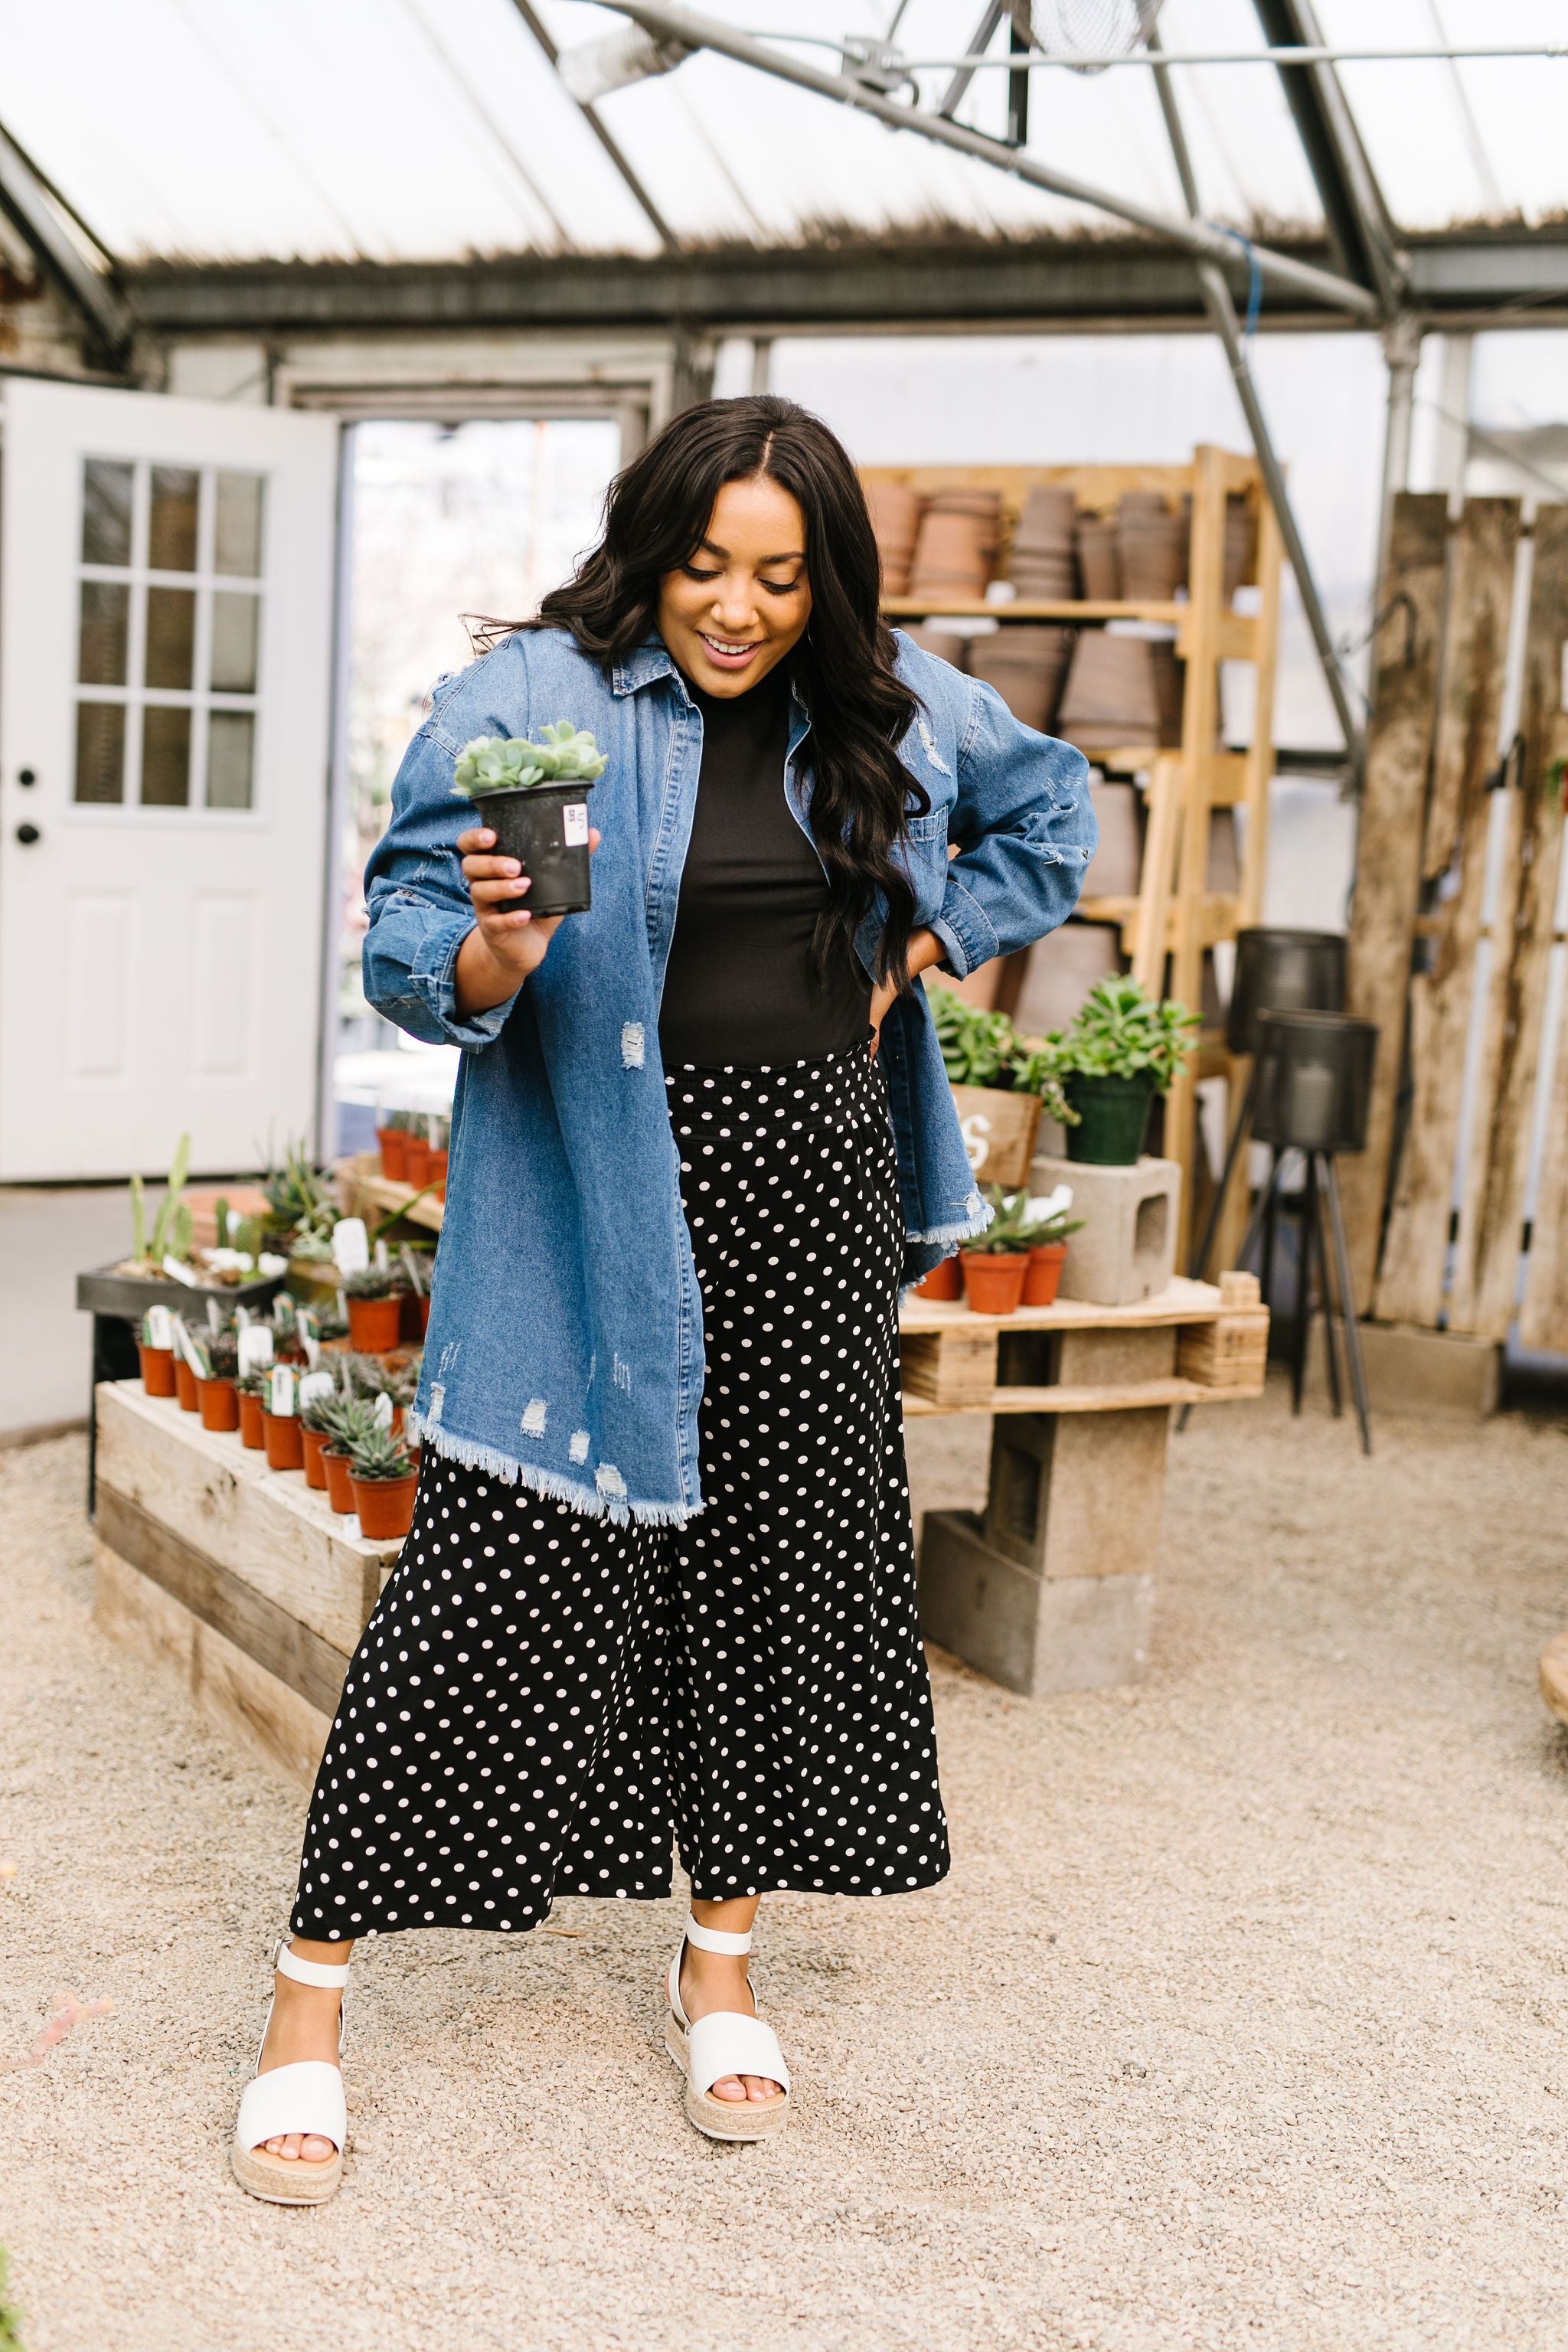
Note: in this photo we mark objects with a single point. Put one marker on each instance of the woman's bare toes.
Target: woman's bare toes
(730, 2087)
(759, 2087)
(316, 2150)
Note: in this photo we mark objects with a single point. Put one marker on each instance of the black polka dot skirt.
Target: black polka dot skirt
(545, 1703)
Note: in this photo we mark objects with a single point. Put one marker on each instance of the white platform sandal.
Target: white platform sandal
(726, 2042)
(307, 2096)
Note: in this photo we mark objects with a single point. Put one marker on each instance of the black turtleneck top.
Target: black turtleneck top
(741, 989)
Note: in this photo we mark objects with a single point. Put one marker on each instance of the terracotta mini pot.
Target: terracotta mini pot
(995, 1280)
(283, 1438)
(335, 1470)
(416, 1160)
(422, 1303)
(943, 1282)
(372, 1324)
(251, 1431)
(157, 1370)
(315, 1442)
(1043, 1273)
(437, 1175)
(218, 1401)
(184, 1385)
(394, 1144)
(385, 1506)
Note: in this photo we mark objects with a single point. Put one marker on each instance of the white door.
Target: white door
(165, 649)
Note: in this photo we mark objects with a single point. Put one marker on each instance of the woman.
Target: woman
(661, 1583)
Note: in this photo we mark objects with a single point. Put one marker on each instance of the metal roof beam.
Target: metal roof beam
(605, 138)
(698, 32)
(1353, 202)
(57, 237)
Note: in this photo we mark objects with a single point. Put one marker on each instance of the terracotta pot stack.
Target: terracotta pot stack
(1117, 866)
(1170, 686)
(956, 544)
(1062, 969)
(895, 520)
(1109, 698)
(1098, 564)
(948, 645)
(1042, 564)
(1027, 665)
(1151, 546)
(1240, 544)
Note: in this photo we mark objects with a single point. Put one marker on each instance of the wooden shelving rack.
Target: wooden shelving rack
(1173, 917)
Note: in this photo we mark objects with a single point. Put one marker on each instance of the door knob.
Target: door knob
(27, 834)
(26, 776)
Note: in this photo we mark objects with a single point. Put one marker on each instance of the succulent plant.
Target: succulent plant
(565, 754)
(376, 1282)
(379, 1454)
(347, 1421)
(171, 1233)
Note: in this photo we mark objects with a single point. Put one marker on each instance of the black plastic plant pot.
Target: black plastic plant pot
(1113, 1118)
(1314, 1081)
(101, 1291)
(545, 828)
(1282, 972)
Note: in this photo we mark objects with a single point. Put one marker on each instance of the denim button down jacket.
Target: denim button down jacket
(565, 1340)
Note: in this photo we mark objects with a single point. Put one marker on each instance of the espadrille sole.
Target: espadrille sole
(729, 2119)
(280, 2182)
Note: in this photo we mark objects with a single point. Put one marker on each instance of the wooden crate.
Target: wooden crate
(999, 1129)
(952, 1358)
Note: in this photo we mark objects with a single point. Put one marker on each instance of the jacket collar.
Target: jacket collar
(653, 660)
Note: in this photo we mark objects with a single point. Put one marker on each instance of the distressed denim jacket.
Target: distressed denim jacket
(565, 1342)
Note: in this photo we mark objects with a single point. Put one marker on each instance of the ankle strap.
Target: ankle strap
(710, 1939)
(309, 1972)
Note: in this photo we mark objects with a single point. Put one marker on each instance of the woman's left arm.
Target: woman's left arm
(1024, 829)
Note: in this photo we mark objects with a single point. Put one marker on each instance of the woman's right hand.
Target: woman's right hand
(502, 949)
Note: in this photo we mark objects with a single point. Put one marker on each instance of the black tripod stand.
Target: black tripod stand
(1322, 1235)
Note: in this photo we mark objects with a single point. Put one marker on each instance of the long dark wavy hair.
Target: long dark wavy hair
(656, 516)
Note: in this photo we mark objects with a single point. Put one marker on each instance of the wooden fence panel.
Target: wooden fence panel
(1492, 1212)
(1543, 1313)
(1388, 867)
(1410, 1284)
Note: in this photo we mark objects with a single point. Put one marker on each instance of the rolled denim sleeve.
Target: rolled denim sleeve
(1025, 830)
(420, 911)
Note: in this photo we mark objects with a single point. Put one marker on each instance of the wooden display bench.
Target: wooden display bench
(1051, 1587)
(240, 1577)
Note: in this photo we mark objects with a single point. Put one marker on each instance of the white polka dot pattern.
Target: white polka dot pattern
(542, 1702)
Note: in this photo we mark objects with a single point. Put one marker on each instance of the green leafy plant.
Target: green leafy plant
(1035, 1072)
(978, 1048)
(565, 754)
(376, 1282)
(1119, 1031)
(379, 1454)
(1021, 1224)
(171, 1233)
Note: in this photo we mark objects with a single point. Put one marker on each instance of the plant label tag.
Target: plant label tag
(351, 1246)
(178, 1273)
(381, 1411)
(315, 1385)
(281, 1402)
(215, 1321)
(313, 1347)
(255, 1348)
(574, 823)
(381, 1259)
(187, 1347)
(159, 1327)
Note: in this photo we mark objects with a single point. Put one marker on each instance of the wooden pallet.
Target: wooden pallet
(954, 1360)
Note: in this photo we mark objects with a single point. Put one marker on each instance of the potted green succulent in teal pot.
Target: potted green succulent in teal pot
(1122, 1047)
(534, 798)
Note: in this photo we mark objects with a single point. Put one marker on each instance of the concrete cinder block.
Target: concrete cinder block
(1030, 1633)
(1127, 1247)
(1408, 1370)
(1079, 1495)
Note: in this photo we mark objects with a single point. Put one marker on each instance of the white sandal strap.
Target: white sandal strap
(307, 2097)
(711, 1939)
(311, 1972)
(725, 2042)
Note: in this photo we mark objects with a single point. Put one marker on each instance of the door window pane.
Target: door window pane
(171, 635)
(165, 757)
(106, 510)
(231, 752)
(237, 535)
(105, 624)
(172, 541)
(100, 752)
(234, 619)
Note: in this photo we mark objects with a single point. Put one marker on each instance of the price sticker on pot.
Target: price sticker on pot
(351, 1246)
(314, 1387)
(281, 1401)
(574, 823)
(256, 1350)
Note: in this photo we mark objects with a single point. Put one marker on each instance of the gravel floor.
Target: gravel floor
(1241, 2020)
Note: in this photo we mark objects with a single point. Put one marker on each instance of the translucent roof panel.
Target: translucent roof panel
(431, 129)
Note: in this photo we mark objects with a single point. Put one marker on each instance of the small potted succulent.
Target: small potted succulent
(1122, 1048)
(217, 1368)
(281, 1434)
(318, 1428)
(155, 1346)
(185, 1370)
(440, 1130)
(417, 1260)
(945, 1283)
(251, 1389)
(374, 1296)
(534, 798)
(348, 1420)
(383, 1477)
(996, 1261)
(1049, 1227)
(392, 1138)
